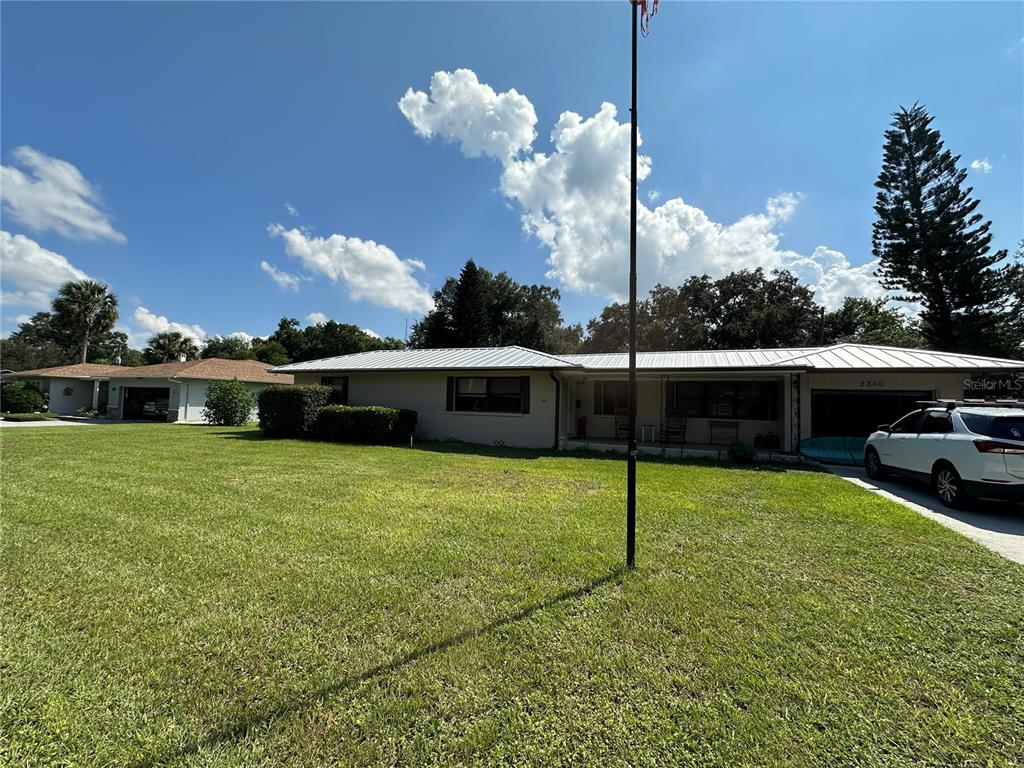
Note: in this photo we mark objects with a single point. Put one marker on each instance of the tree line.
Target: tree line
(932, 245)
(79, 328)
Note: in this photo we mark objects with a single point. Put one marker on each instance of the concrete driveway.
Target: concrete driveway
(998, 526)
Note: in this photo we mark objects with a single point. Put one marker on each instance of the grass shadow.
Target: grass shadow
(506, 452)
(455, 447)
(249, 434)
(237, 730)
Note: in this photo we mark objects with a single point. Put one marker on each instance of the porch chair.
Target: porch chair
(621, 423)
(673, 428)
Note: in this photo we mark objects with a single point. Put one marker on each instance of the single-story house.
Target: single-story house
(769, 398)
(162, 392)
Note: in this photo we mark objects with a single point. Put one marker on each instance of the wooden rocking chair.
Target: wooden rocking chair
(621, 423)
(673, 428)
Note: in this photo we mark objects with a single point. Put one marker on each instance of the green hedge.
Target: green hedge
(291, 411)
(28, 417)
(367, 424)
(20, 397)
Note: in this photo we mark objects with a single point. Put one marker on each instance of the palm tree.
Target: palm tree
(169, 346)
(85, 308)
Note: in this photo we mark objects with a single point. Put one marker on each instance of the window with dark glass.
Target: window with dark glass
(686, 398)
(610, 396)
(936, 424)
(723, 399)
(908, 424)
(339, 385)
(491, 394)
(1003, 427)
(720, 400)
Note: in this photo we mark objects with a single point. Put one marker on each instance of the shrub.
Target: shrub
(20, 397)
(741, 453)
(228, 403)
(87, 412)
(291, 410)
(369, 424)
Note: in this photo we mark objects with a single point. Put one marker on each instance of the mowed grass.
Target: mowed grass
(179, 595)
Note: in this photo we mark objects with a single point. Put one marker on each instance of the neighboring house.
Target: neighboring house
(162, 392)
(775, 397)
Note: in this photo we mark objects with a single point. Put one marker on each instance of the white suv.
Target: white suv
(964, 450)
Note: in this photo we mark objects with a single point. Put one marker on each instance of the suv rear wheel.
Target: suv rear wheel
(948, 486)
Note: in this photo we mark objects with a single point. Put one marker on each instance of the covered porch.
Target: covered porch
(699, 414)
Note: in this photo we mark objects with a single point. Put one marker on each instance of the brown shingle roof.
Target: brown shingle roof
(210, 368)
(76, 371)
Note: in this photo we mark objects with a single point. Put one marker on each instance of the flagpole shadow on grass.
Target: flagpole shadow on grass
(234, 731)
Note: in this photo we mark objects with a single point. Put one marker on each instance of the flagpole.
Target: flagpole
(631, 396)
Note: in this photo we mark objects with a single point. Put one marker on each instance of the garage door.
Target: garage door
(839, 413)
(146, 403)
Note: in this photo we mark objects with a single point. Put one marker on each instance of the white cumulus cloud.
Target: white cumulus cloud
(831, 276)
(574, 199)
(981, 165)
(292, 210)
(285, 280)
(147, 323)
(316, 318)
(370, 271)
(53, 194)
(370, 332)
(30, 273)
(462, 109)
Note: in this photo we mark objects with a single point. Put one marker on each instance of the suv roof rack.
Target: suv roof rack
(949, 405)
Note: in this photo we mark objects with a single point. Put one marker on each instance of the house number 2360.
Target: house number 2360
(872, 383)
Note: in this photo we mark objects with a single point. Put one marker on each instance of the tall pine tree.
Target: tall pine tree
(932, 245)
(470, 323)
(480, 309)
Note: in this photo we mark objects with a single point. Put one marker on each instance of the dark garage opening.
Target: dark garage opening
(146, 403)
(838, 413)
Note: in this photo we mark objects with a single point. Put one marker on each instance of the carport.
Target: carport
(846, 413)
(146, 403)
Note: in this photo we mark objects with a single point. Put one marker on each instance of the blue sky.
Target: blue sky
(191, 126)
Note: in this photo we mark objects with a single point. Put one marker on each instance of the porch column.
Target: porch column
(794, 413)
(95, 394)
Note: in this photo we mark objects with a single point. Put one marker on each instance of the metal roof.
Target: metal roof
(868, 357)
(838, 357)
(692, 360)
(470, 358)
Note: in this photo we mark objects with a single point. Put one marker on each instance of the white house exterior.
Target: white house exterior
(162, 392)
(776, 397)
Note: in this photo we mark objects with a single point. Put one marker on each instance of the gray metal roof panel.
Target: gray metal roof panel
(469, 358)
(688, 360)
(838, 357)
(871, 357)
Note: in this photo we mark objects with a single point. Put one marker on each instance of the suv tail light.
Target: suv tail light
(994, 446)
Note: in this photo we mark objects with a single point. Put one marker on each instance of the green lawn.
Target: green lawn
(177, 595)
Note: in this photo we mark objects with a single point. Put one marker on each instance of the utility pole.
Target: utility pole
(642, 14)
(631, 394)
